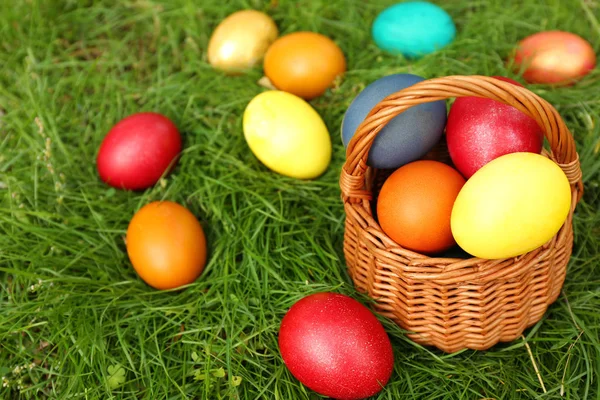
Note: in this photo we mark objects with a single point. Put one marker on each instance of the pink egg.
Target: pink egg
(554, 57)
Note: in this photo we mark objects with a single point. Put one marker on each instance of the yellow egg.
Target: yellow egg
(512, 205)
(287, 135)
(241, 40)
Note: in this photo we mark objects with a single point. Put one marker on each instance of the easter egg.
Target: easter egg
(287, 135)
(336, 346)
(554, 57)
(512, 205)
(413, 28)
(415, 204)
(241, 40)
(304, 64)
(480, 130)
(138, 151)
(408, 136)
(166, 245)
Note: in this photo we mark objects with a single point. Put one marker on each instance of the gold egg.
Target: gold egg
(241, 40)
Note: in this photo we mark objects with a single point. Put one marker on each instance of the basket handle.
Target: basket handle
(352, 177)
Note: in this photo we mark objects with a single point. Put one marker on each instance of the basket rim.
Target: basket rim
(563, 148)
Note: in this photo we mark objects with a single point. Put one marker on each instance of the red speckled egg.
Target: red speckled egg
(554, 57)
(138, 150)
(336, 346)
(480, 130)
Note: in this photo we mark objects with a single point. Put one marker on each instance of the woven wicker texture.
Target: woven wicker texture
(454, 303)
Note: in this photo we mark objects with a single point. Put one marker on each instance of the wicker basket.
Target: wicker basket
(454, 303)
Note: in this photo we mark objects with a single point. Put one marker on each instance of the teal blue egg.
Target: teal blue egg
(413, 28)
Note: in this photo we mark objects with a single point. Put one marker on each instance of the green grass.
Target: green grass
(71, 306)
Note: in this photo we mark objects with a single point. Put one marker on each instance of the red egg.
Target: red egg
(480, 130)
(138, 150)
(554, 57)
(336, 346)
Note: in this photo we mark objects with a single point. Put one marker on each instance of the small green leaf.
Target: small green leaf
(116, 376)
(199, 376)
(236, 380)
(219, 373)
(111, 192)
(195, 356)
(22, 217)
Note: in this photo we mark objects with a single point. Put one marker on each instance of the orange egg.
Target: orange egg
(166, 245)
(304, 64)
(415, 205)
(554, 57)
